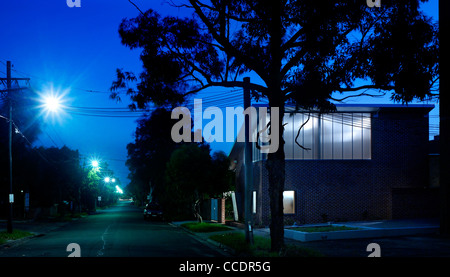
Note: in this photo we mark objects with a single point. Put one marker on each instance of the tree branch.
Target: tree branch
(298, 133)
(290, 43)
(137, 8)
(366, 87)
(228, 84)
(357, 95)
(254, 64)
(292, 62)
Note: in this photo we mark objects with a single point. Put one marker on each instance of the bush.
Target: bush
(205, 227)
(16, 234)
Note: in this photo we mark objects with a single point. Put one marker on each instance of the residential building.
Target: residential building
(360, 162)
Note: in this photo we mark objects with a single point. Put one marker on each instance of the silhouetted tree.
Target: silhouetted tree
(148, 155)
(303, 51)
(193, 175)
(444, 124)
(25, 131)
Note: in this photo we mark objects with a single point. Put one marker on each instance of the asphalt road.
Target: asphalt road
(119, 231)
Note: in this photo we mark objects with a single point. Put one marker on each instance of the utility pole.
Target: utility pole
(11, 195)
(248, 161)
(9, 89)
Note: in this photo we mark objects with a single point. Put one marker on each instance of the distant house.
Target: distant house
(361, 162)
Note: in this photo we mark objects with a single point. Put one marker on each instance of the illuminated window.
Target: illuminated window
(254, 202)
(333, 136)
(289, 202)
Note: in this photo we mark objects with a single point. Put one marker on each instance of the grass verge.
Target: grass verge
(66, 217)
(16, 234)
(205, 227)
(261, 247)
(331, 228)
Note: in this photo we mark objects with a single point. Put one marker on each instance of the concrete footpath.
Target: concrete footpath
(424, 240)
(391, 244)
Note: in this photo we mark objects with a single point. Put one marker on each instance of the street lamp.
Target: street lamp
(94, 164)
(119, 190)
(52, 103)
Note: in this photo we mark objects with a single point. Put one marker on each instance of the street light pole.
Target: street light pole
(11, 195)
(9, 90)
(248, 166)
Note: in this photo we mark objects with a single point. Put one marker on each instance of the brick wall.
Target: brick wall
(345, 190)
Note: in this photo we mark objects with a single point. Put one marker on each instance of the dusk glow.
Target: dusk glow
(128, 128)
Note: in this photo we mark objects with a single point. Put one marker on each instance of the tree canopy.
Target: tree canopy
(322, 48)
(192, 175)
(303, 51)
(175, 174)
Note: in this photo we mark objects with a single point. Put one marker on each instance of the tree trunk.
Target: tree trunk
(276, 169)
(275, 161)
(444, 112)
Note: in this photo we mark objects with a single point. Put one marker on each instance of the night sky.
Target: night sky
(75, 52)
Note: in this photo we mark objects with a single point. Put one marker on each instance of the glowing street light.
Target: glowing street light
(95, 163)
(107, 179)
(52, 103)
(119, 190)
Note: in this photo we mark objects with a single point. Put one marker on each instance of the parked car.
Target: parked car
(153, 211)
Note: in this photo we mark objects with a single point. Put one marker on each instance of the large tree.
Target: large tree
(192, 175)
(148, 155)
(303, 51)
(25, 131)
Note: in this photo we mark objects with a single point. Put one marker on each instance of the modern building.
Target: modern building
(360, 162)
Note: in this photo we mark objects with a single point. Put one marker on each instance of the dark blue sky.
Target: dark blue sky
(76, 51)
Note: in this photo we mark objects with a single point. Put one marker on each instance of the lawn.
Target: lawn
(260, 247)
(205, 227)
(330, 228)
(16, 234)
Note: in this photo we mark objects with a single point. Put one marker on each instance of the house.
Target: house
(360, 162)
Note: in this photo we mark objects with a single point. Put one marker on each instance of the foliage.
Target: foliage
(48, 175)
(25, 131)
(16, 234)
(303, 52)
(321, 48)
(192, 175)
(261, 247)
(175, 174)
(148, 155)
(57, 171)
(205, 227)
(25, 127)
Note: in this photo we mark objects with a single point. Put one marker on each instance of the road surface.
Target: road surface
(120, 231)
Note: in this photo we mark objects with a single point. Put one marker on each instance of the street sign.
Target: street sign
(27, 201)
(11, 198)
